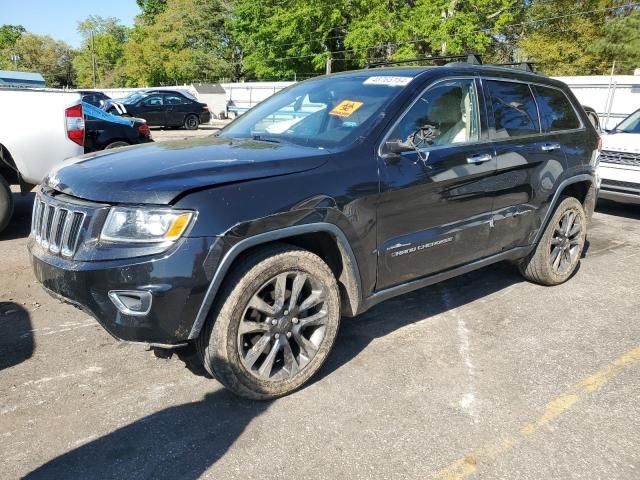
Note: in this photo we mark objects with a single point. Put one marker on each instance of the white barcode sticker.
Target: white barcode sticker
(389, 81)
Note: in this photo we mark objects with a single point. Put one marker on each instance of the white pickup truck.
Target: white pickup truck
(38, 130)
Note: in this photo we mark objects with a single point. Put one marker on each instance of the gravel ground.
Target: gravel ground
(483, 376)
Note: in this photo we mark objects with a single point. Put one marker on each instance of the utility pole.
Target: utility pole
(329, 61)
(93, 58)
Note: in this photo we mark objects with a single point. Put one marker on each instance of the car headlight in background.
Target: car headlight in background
(145, 225)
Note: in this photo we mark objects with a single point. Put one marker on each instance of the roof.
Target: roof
(8, 74)
(208, 88)
(8, 77)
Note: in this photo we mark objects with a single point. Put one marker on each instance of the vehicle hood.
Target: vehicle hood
(157, 173)
(621, 142)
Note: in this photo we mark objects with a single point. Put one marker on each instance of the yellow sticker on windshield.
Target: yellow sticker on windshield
(345, 108)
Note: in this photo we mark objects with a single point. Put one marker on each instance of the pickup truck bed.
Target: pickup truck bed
(36, 131)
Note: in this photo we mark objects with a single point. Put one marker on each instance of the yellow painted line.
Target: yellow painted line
(467, 465)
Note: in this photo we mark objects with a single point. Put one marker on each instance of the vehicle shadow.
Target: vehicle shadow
(618, 209)
(16, 339)
(357, 333)
(185, 440)
(177, 442)
(20, 224)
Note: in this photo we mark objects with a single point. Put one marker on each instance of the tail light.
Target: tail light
(205, 108)
(144, 130)
(599, 143)
(75, 124)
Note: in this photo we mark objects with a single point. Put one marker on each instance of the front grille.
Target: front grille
(620, 158)
(56, 227)
(620, 185)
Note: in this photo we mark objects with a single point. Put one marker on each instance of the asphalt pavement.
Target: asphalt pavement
(483, 376)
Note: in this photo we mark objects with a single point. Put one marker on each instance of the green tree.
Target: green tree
(150, 9)
(186, 42)
(9, 35)
(621, 42)
(291, 38)
(573, 37)
(54, 60)
(103, 42)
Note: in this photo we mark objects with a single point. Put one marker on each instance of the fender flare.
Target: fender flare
(350, 265)
(556, 198)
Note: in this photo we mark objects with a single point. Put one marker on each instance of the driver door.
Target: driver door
(152, 110)
(436, 202)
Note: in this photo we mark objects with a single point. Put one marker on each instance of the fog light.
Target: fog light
(131, 302)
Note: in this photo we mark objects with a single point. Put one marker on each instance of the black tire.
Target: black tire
(558, 252)
(6, 203)
(191, 122)
(116, 144)
(240, 361)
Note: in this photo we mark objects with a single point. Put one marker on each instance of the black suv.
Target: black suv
(331, 196)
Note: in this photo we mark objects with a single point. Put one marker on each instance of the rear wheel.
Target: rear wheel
(191, 122)
(558, 253)
(275, 325)
(6, 203)
(116, 145)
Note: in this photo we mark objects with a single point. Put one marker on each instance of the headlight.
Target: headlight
(142, 225)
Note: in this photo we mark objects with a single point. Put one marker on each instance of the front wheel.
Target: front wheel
(275, 324)
(558, 253)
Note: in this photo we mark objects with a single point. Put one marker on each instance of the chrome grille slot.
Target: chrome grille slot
(56, 227)
(620, 158)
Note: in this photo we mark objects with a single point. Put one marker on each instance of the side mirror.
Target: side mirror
(396, 147)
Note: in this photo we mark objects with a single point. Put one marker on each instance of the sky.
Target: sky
(59, 18)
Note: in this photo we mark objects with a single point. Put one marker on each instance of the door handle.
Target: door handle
(479, 158)
(550, 147)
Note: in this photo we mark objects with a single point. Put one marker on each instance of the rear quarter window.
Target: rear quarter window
(556, 111)
(514, 110)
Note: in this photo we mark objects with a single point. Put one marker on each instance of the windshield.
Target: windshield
(319, 113)
(631, 124)
(133, 98)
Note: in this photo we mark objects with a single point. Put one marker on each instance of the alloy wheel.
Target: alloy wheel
(283, 326)
(566, 242)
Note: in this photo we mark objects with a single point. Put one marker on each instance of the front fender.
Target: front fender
(224, 255)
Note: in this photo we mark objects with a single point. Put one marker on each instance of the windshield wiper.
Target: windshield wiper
(263, 139)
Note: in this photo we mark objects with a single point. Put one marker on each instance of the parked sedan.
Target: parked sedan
(104, 131)
(162, 108)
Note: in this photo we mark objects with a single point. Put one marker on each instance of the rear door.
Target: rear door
(560, 119)
(435, 205)
(177, 108)
(529, 163)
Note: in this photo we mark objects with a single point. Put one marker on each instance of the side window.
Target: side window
(174, 100)
(514, 110)
(555, 109)
(152, 101)
(445, 114)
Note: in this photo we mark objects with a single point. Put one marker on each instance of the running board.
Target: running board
(382, 295)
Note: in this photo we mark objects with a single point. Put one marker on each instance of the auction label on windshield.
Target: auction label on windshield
(389, 81)
(345, 108)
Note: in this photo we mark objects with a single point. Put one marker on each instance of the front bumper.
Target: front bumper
(177, 281)
(620, 183)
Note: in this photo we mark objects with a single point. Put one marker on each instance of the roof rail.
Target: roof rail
(526, 66)
(471, 58)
